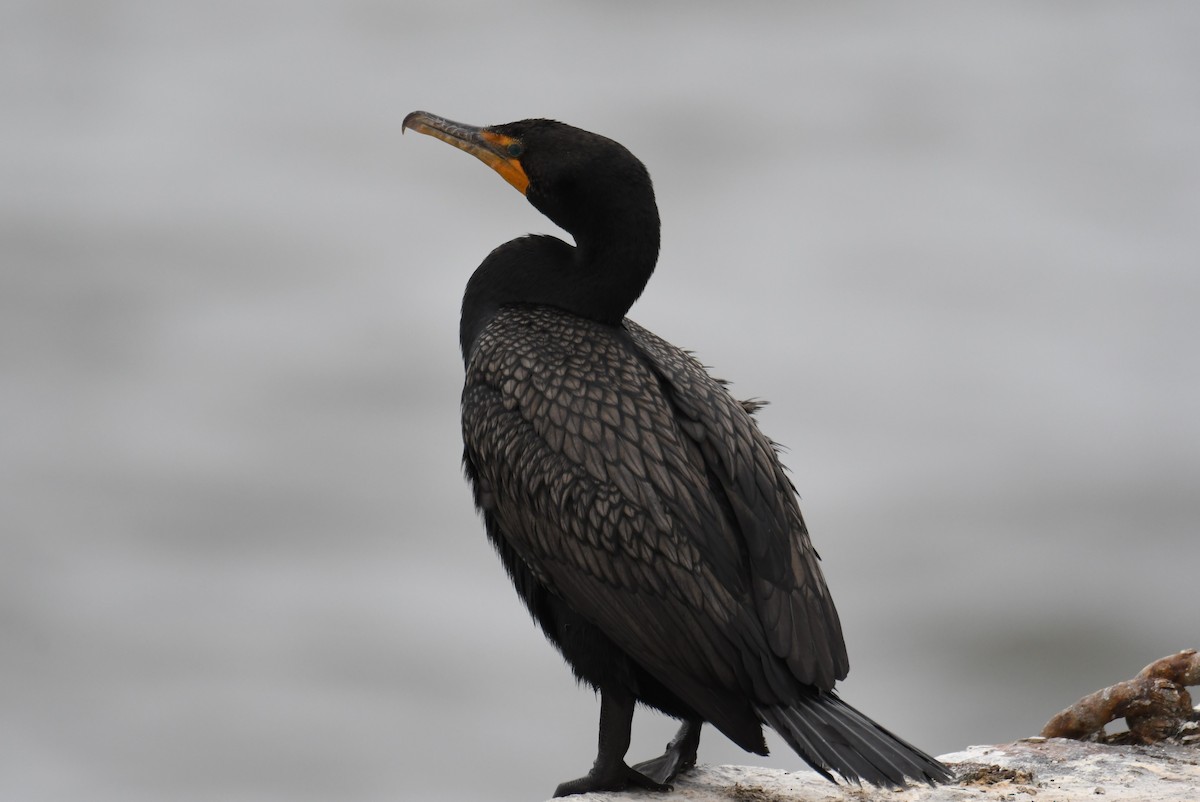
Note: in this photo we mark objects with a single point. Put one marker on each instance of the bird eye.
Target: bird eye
(515, 149)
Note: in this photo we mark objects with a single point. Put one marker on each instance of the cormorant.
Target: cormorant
(644, 519)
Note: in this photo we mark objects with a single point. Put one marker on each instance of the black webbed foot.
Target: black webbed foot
(610, 778)
(609, 772)
(679, 757)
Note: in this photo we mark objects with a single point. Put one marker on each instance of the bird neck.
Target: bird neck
(613, 259)
(598, 279)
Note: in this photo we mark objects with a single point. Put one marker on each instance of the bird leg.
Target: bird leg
(679, 757)
(609, 772)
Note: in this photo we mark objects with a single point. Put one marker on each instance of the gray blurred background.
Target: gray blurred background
(954, 245)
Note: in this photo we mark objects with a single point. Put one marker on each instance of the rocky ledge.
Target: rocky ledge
(1032, 770)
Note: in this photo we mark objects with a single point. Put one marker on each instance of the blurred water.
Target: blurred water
(954, 245)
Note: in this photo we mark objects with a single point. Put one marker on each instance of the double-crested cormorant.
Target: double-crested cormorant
(644, 519)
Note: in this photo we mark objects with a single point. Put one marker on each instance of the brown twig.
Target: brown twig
(1155, 704)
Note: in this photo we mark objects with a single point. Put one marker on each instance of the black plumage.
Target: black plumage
(644, 519)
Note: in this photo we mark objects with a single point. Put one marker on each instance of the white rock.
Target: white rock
(1033, 770)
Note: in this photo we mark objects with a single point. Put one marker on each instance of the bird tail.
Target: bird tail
(832, 736)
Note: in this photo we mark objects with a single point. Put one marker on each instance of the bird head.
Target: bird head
(568, 174)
